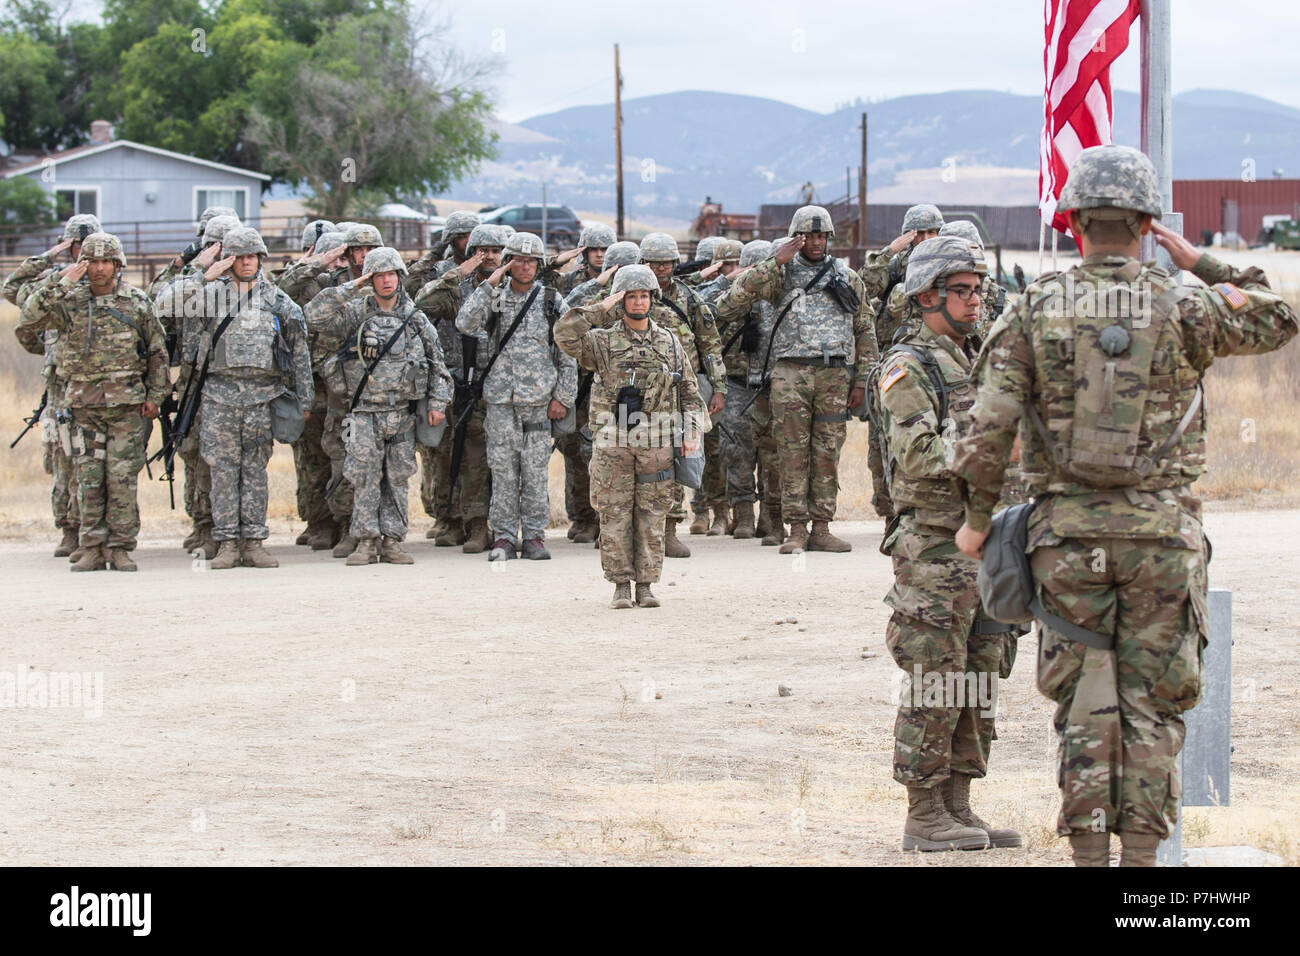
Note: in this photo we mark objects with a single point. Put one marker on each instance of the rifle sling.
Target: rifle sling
(365, 376)
(767, 356)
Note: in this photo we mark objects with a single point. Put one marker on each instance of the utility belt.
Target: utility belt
(741, 380)
(826, 361)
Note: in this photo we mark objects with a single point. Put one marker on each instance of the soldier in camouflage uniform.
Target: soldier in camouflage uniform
(259, 355)
(396, 362)
(593, 241)
(304, 281)
(170, 303)
(594, 290)
(634, 360)
(183, 263)
(435, 263)
(531, 384)
(680, 309)
(1106, 361)
(18, 286)
(816, 360)
(114, 361)
(922, 401)
(461, 512)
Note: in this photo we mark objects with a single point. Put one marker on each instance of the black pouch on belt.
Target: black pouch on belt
(630, 399)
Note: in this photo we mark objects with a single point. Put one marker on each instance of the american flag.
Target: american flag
(1084, 37)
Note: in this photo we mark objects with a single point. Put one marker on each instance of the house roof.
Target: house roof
(90, 149)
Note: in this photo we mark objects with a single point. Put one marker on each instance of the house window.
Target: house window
(76, 201)
(235, 197)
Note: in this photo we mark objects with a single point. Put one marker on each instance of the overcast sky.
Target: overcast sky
(823, 54)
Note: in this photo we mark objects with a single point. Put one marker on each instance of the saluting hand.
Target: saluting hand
(564, 257)
(470, 265)
(74, 272)
(217, 268)
(790, 249)
(495, 278)
(1183, 253)
(605, 276)
(610, 301)
(901, 243)
(55, 250)
(207, 256)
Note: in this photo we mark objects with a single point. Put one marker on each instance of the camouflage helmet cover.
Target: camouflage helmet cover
(755, 251)
(622, 253)
(459, 223)
(208, 215)
(383, 259)
(243, 241)
(314, 230)
(658, 247)
(73, 228)
(923, 217)
(217, 227)
(704, 248)
(635, 277)
(102, 245)
(935, 259)
(329, 241)
(727, 250)
(811, 219)
(362, 234)
(523, 245)
(964, 228)
(1112, 177)
(597, 235)
(484, 234)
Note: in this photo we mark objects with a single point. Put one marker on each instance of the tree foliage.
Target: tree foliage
(22, 201)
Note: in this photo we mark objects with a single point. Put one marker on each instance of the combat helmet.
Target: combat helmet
(383, 259)
(704, 248)
(965, 229)
(811, 219)
(243, 241)
(1112, 177)
(80, 226)
(755, 251)
(597, 235)
(208, 215)
(329, 241)
(459, 223)
(623, 253)
(923, 217)
(658, 247)
(633, 277)
(727, 250)
(314, 230)
(362, 234)
(102, 245)
(523, 245)
(484, 234)
(933, 260)
(218, 227)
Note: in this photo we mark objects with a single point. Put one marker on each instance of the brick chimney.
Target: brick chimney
(101, 132)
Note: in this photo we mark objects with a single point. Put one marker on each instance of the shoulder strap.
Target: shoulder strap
(528, 304)
(931, 366)
(767, 356)
(365, 376)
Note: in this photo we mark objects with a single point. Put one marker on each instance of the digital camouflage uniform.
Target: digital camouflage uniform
(529, 373)
(631, 469)
(245, 372)
(114, 359)
(1115, 540)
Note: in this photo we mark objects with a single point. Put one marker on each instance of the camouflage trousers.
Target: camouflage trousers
(518, 448)
(1119, 764)
(380, 461)
(631, 511)
(236, 442)
(738, 445)
(473, 491)
(949, 689)
(107, 455)
(881, 502)
(712, 492)
(63, 489)
(311, 465)
(198, 477)
(577, 464)
(769, 458)
(808, 403)
(331, 442)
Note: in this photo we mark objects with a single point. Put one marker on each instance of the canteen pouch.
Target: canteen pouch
(287, 419)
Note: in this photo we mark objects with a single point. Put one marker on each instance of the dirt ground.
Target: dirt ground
(453, 713)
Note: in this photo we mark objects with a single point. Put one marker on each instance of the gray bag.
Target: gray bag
(287, 419)
(705, 386)
(427, 435)
(566, 425)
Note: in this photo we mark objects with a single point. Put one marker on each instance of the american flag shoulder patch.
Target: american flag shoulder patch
(892, 376)
(1232, 295)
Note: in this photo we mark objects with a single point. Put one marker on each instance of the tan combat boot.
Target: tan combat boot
(120, 560)
(206, 545)
(574, 527)
(76, 554)
(305, 537)
(478, 538)
(193, 538)
(68, 544)
(253, 555)
(364, 554)
(455, 533)
(957, 797)
(91, 559)
(1139, 849)
(347, 544)
(764, 525)
(587, 532)
(701, 523)
(392, 552)
(673, 547)
(931, 828)
(721, 517)
(227, 556)
(744, 511)
(798, 539)
(821, 539)
(645, 597)
(622, 596)
(326, 536)
(1090, 849)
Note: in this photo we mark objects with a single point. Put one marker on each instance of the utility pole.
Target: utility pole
(862, 189)
(618, 140)
(1157, 109)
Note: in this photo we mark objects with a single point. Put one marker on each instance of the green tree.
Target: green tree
(22, 202)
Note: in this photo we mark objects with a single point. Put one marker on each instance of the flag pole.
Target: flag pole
(1157, 105)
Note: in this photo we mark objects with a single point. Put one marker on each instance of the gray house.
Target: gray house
(150, 197)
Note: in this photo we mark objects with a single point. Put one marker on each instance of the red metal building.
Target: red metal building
(1230, 205)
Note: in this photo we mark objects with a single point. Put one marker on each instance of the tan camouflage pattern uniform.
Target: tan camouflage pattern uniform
(575, 449)
(632, 484)
(1128, 561)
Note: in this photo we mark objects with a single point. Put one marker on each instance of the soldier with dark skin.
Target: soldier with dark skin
(1106, 362)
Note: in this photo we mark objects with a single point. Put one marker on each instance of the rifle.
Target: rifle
(36, 416)
(686, 268)
(166, 414)
(462, 405)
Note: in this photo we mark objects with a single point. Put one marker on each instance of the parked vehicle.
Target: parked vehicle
(562, 226)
